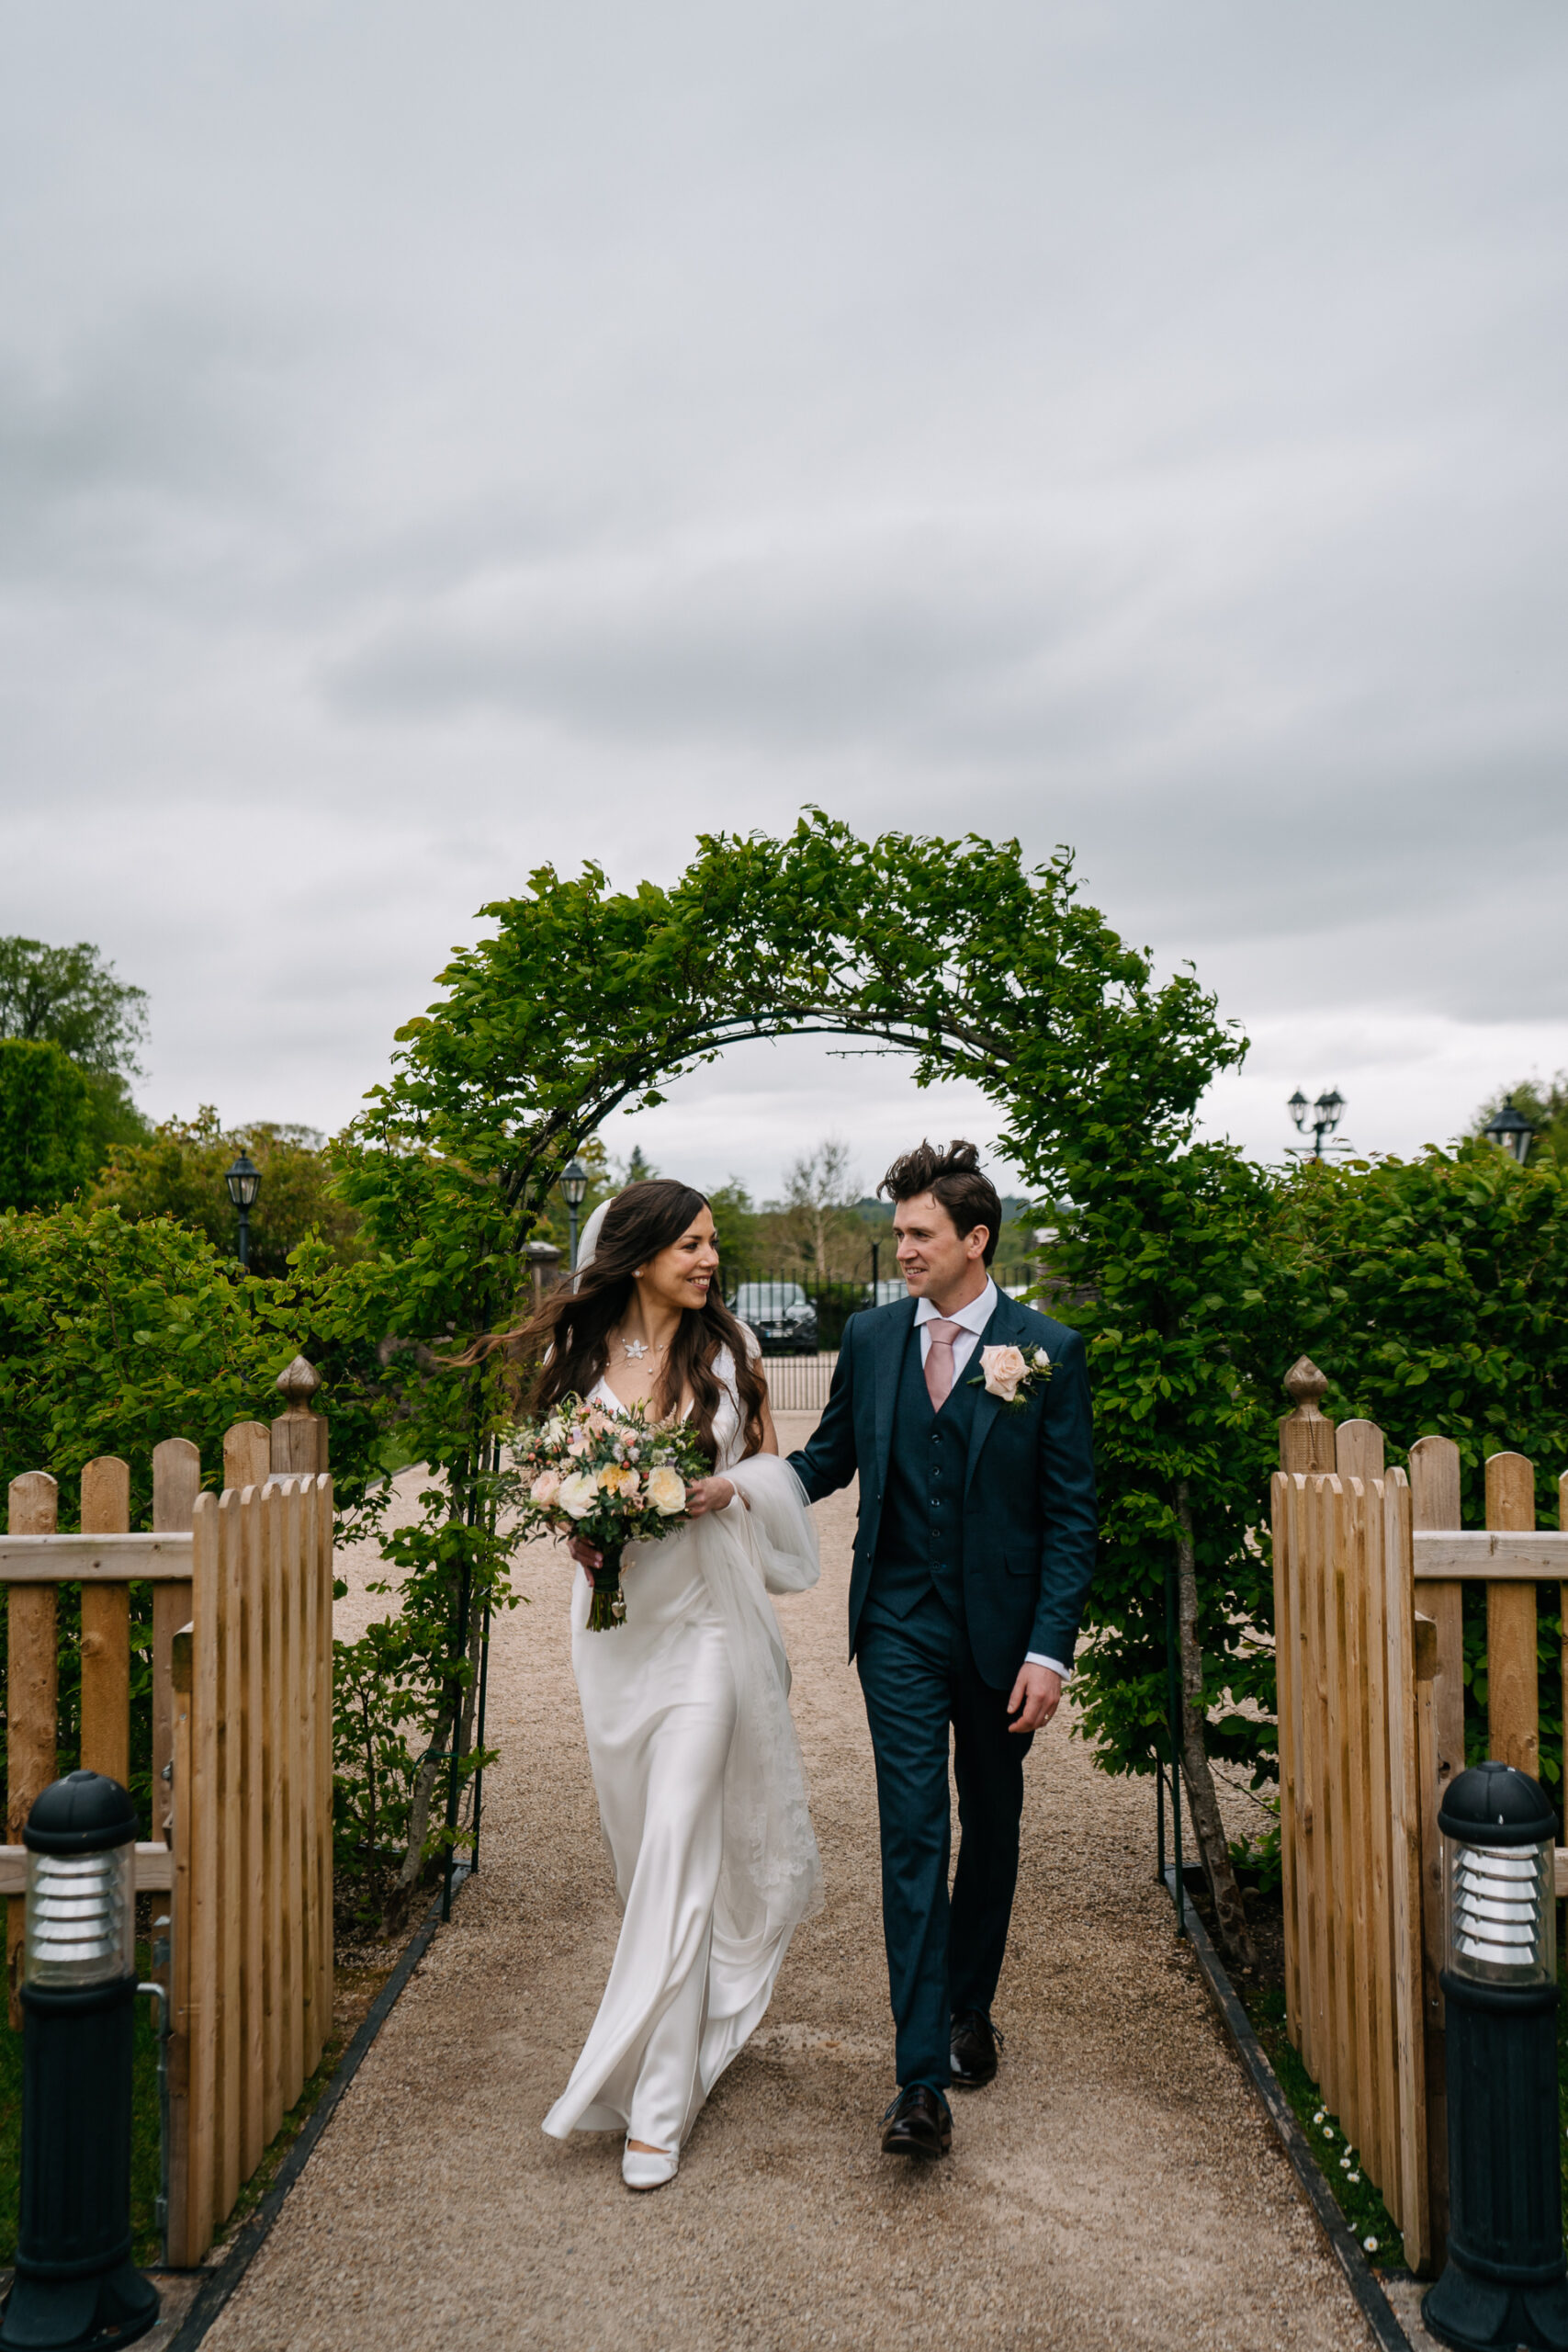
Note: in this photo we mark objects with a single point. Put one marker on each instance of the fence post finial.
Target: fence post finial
(1306, 1436)
(298, 1382)
(299, 1435)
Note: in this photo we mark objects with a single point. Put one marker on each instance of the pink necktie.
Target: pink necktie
(939, 1369)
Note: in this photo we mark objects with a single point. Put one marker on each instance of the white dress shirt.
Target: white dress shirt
(972, 1320)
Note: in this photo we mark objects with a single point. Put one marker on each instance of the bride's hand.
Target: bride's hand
(583, 1552)
(709, 1494)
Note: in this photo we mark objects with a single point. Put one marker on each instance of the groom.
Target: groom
(974, 1553)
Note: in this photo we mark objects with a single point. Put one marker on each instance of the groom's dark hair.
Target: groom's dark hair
(953, 1178)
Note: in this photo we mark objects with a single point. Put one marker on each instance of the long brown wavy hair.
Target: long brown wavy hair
(569, 1338)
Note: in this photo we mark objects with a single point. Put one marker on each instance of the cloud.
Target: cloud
(424, 456)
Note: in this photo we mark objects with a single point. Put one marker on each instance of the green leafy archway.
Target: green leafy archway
(975, 965)
(952, 951)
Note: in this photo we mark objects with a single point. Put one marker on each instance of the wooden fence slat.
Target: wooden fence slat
(1434, 1506)
(204, 1798)
(1381, 2155)
(1358, 1460)
(1320, 1537)
(310, 1611)
(272, 1806)
(1512, 1706)
(1281, 1489)
(186, 2247)
(230, 1858)
(176, 1482)
(1362, 2122)
(293, 1874)
(1342, 1564)
(105, 1627)
(253, 1891)
(32, 1698)
(323, 1890)
(1405, 1842)
(247, 1454)
(1359, 1451)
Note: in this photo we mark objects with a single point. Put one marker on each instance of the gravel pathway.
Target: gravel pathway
(1115, 2187)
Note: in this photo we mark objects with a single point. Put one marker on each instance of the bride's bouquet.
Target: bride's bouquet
(614, 1478)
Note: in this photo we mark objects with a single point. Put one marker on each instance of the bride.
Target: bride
(702, 1792)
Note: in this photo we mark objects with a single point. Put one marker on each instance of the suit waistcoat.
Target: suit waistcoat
(921, 1541)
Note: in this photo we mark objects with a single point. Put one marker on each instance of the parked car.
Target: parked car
(890, 1290)
(781, 1315)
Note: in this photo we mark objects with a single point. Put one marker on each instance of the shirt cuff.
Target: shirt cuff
(1037, 1657)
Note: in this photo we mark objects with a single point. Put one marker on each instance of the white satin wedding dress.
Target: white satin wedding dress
(702, 1796)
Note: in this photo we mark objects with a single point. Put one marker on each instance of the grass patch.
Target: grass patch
(1364, 2211)
(1261, 1993)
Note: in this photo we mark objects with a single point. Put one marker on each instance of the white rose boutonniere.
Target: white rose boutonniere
(1012, 1374)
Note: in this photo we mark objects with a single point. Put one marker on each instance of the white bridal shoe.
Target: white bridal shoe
(642, 2170)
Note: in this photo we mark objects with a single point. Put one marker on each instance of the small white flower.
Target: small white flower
(1344, 2163)
(1368, 2246)
(1042, 1360)
(1355, 2180)
(1318, 2117)
(1326, 2132)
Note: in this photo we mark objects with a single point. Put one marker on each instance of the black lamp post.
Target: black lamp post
(1320, 1117)
(573, 1187)
(1512, 1132)
(243, 1181)
(1503, 2284)
(75, 2282)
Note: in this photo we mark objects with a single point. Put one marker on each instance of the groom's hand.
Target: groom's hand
(1036, 1695)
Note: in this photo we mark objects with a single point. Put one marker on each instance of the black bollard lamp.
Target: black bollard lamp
(1504, 2282)
(76, 2283)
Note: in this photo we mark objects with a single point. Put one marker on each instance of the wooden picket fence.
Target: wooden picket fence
(1370, 1568)
(241, 1763)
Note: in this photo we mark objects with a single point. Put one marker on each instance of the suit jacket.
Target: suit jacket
(1029, 1508)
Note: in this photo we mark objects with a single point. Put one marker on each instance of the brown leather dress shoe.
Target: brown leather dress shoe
(917, 2124)
(973, 2058)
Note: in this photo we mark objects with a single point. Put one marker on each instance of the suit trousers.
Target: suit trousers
(943, 1956)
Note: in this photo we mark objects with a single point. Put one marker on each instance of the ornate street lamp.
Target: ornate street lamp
(1512, 1132)
(1319, 1118)
(573, 1189)
(243, 1181)
(1503, 2283)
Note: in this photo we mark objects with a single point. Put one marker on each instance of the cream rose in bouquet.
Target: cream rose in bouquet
(614, 1478)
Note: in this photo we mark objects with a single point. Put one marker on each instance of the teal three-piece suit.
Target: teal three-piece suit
(975, 1550)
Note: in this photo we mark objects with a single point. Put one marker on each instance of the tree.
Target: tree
(45, 1124)
(69, 997)
(819, 1213)
(1545, 1102)
(177, 1171)
(735, 1223)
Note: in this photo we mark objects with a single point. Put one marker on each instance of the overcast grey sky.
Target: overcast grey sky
(436, 441)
